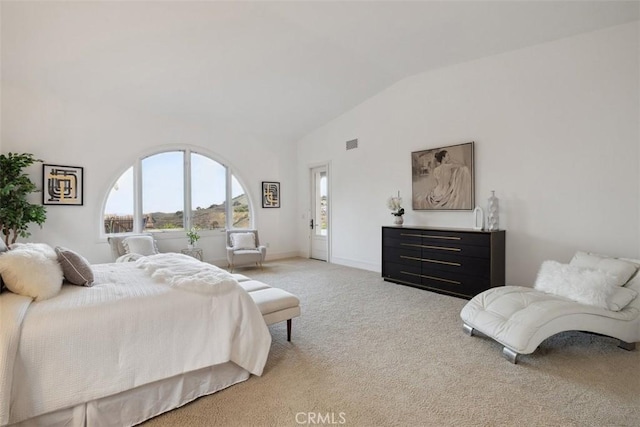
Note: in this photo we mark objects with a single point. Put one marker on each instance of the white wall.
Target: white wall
(556, 136)
(105, 140)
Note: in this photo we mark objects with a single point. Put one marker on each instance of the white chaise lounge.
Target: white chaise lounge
(521, 318)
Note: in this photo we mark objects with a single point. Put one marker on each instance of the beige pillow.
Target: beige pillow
(31, 273)
(75, 267)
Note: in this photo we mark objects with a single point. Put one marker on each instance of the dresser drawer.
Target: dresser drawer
(393, 242)
(437, 237)
(456, 250)
(403, 234)
(456, 264)
(402, 272)
(466, 289)
(403, 256)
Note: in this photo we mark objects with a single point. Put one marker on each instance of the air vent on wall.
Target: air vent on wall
(352, 144)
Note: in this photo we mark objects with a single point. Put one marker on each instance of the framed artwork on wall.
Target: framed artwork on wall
(443, 178)
(270, 194)
(62, 185)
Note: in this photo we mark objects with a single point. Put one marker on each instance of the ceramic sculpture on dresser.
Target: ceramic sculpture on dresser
(492, 215)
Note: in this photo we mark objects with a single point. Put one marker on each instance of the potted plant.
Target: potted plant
(16, 213)
(193, 237)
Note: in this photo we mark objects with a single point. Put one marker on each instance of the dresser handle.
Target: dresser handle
(410, 257)
(443, 248)
(442, 237)
(431, 237)
(410, 274)
(411, 244)
(456, 264)
(455, 282)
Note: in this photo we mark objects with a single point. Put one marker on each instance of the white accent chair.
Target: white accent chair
(243, 247)
(521, 318)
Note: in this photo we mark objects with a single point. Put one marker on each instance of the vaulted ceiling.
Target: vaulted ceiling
(275, 69)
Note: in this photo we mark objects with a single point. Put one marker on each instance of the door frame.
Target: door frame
(311, 167)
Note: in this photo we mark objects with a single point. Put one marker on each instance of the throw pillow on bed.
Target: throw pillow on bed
(143, 245)
(31, 273)
(584, 285)
(243, 240)
(75, 267)
(43, 248)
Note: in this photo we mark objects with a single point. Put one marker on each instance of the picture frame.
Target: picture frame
(62, 185)
(443, 178)
(270, 194)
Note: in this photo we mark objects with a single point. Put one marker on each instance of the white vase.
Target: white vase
(492, 215)
(399, 220)
(190, 246)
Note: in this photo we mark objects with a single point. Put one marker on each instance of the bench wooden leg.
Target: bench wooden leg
(288, 329)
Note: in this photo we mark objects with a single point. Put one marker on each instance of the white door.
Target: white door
(319, 221)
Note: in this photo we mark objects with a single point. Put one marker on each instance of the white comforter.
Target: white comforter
(125, 331)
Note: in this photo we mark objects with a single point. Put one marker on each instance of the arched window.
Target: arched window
(175, 190)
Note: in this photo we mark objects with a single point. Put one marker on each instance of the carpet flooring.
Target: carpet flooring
(371, 353)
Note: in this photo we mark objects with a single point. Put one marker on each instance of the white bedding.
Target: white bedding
(125, 331)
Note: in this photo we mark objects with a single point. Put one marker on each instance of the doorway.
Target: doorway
(319, 222)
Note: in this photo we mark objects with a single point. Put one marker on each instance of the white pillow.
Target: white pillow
(143, 245)
(583, 285)
(243, 240)
(622, 270)
(31, 273)
(43, 248)
(620, 298)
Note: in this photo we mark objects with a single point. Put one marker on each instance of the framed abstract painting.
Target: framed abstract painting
(270, 194)
(62, 185)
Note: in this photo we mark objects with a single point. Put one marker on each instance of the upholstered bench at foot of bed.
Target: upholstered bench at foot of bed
(275, 304)
(520, 318)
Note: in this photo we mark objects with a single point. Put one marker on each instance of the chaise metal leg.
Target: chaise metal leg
(510, 355)
(467, 329)
(629, 346)
(288, 329)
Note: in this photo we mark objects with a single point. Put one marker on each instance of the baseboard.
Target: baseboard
(356, 264)
(222, 262)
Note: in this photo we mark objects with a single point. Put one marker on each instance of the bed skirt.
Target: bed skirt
(134, 406)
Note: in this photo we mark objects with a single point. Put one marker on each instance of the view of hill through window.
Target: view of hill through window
(163, 198)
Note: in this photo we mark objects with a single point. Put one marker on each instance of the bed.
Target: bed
(147, 337)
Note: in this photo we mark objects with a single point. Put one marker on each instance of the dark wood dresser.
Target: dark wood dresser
(456, 262)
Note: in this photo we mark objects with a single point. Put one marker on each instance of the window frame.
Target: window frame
(187, 151)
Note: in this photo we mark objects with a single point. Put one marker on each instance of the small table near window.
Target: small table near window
(193, 252)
